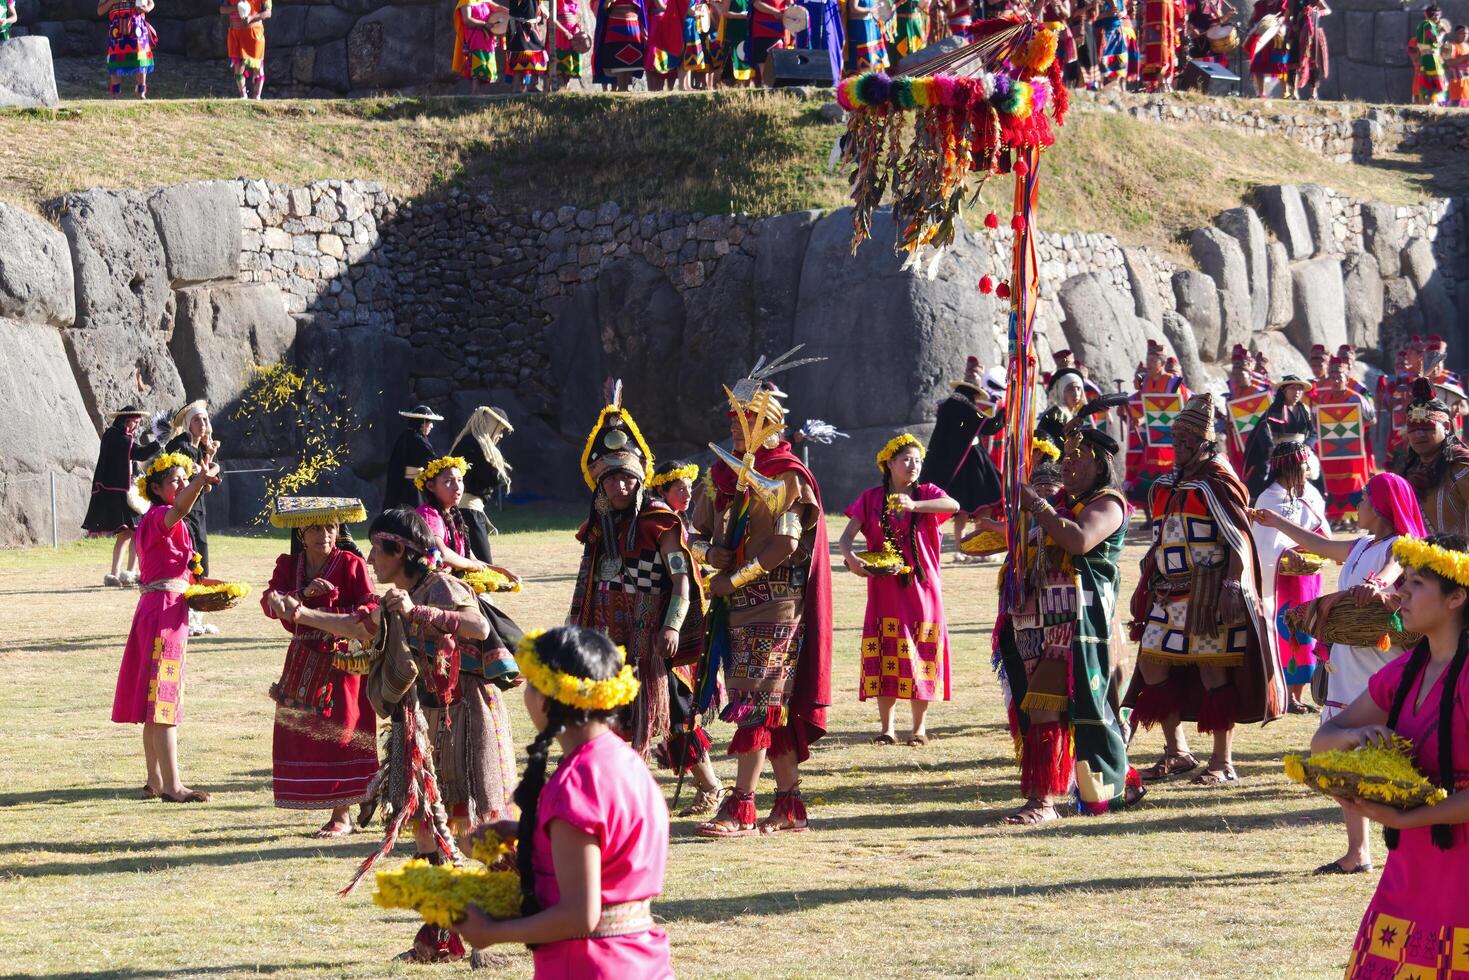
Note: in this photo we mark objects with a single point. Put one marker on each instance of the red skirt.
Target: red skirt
(325, 745)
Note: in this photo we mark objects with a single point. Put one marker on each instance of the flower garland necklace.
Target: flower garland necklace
(890, 533)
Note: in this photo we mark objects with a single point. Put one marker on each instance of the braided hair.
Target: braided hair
(451, 516)
(580, 652)
(891, 534)
(1442, 834)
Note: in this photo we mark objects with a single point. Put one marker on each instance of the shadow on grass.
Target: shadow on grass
(82, 794)
(187, 971)
(780, 903)
(146, 863)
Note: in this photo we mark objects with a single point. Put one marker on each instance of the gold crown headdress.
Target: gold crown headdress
(615, 444)
(755, 404)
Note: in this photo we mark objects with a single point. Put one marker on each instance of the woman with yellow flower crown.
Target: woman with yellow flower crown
(593, 839)
(1418, 920)
(449, 753)
(905, 637)
(150, 681)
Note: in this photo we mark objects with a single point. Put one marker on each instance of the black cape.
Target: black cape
(954, 464)
(108, 511)
(412, 449)
(1278, 423)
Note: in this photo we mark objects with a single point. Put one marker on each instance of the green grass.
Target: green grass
(722, 152)
(906, 874)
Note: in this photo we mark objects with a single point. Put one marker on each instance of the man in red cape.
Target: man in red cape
(760, 524)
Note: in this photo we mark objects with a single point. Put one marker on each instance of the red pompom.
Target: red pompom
(1021, 167)
(1003, 290)
(1018, 222)
(986, 284)
(992, 220)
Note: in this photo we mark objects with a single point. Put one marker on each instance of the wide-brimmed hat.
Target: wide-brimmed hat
(498, 414)
(423, 413)
(313, 511)
(129, 410)
(1290, 379)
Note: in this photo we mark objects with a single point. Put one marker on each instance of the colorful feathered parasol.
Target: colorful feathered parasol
(983, 110)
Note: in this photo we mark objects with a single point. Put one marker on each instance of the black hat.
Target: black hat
(422, 413)
(129, 410)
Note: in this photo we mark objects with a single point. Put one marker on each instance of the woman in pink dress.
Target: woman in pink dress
(1418, 920)
(593, 839)
(905, 639)
(150, 681)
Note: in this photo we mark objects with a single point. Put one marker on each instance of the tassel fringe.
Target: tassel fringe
(1045, 763)
(1219, 710)
(1156, 703)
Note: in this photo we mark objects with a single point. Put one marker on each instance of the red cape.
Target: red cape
(665, 30)
(811, 695)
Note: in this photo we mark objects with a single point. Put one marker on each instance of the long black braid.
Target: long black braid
(1442, 834)
(582, 653)
(892, 535)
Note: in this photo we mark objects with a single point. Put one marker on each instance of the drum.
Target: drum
(499, 21)
(702, 18)
(1223, 38)
(1261, 34)
(580, 43)
(796, 19)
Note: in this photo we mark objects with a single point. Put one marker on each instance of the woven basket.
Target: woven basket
(983, 543)
(1300, 563)
(880, 562)
(1351, 786)
(214, 601)
(1346, 622)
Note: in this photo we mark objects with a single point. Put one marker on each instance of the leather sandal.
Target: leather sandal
(1169, 766)
(192, 796)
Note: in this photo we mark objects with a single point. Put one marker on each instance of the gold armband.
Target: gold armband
(678, 563)
(748, 573)
(678, 608)
(788, 525)
(700, 550)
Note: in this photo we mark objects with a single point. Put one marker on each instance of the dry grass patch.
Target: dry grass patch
(906, 874)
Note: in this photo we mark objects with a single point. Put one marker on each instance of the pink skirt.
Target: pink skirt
(150, 681)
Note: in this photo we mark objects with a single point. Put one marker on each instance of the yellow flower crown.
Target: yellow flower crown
(434, 468)
(1046, 448)
(690, 473)
(570, 690)
(166, 461)
(895, 445)
(1415, 552)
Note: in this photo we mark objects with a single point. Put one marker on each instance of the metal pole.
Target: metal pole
(55, 534)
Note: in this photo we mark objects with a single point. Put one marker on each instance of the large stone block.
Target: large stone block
(1362, 287)
(47, 431)
(204, 37)
(1418, 262)
(1360, 30)
(369, 367)
(35, 270)
(1320, 304)
(1246, 228)
(1197, 300)
(330, 68)
(1282, 300)
(1101, 328)
(287, 25)
(1381, 237)
(1390, 38)
(779, 255)
(27, 78)
(844, 470)
(1286, 217)
(1401, 316)
(221, 331)
(199, 225)
(1220, 257)
(1180, 335)
(1143, 282)
(1318, 218)
(863, 311)
(326, 23)
(124, 308)
(396, 46)
(1283, 355)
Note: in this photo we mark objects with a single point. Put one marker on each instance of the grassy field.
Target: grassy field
(907, 872)
(715, 153)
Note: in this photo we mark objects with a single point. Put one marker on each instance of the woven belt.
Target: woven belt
(179, 585)
(624, 919)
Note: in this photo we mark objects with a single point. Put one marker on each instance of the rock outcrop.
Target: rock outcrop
(27, 78)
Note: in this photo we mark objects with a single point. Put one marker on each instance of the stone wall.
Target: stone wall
(457, 302)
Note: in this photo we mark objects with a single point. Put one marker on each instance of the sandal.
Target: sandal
(149, 793)
(1030, 816)
(787, 815)
(736, 818)
(331, 830)
(1169, 766)
(1335, 868)
(707, 801)
(885, 739)
(192, 796)
(1216, 777)
(918, 741)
